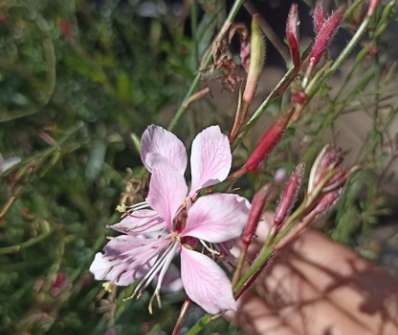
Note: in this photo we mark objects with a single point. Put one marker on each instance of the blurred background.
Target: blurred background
(79, 82)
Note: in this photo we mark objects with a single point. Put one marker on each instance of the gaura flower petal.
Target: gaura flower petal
(100, 266)
(104, 268)
(205, 282)
(217, 217)
(126, 258)
(167, 191)
(140, 221)
(158, 142)
(210, 158)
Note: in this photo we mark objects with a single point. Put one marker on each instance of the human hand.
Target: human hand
(316, 286)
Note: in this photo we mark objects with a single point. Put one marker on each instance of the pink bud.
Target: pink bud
(324, 36)
(256, 210)
(372, 7)
(245, 55)
(330, 159)
(289, 195)
(319, 16)
(267, 143)
(66, 28)
(325, 204)
(292, 35)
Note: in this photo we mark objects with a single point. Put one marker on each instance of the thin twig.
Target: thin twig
(183, 313)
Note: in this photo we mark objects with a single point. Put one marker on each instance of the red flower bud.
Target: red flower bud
(325, 204)
(289, 195)
(318, 16)
(324, 36)
(267, 143)
(292, 35)
(66, 28)
(256, 210)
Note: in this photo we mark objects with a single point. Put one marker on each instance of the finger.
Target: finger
(255, 318)
(323, 277)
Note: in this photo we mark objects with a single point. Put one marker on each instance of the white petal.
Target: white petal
(205, 282)
(157, 142)
(167, 191)
(218, 217)
(210, 158)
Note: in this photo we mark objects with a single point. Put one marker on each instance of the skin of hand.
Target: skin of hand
(318, 287)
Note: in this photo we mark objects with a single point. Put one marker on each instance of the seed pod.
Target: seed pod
(257, 59)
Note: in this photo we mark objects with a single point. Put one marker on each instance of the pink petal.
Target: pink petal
(100, 266)
(210, 158)
(140, 221)
(126, 258)
(167, 191)
(206, 283)
(217, 217)
(158, 142)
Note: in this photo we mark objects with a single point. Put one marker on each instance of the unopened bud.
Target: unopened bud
(324, 36)
(267, 143)
(292, 35)
(325, 204)
(257, 59)
(319, 16)
(65, 28)
(289, 195)
(257, 206)
(330, 159)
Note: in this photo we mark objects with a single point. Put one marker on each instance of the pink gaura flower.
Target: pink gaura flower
(173, 220)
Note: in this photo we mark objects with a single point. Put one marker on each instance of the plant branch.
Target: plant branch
(205, 62)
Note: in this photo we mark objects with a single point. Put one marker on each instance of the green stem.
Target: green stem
(18, 247)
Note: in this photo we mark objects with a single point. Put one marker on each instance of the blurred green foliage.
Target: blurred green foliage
(76, 77)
